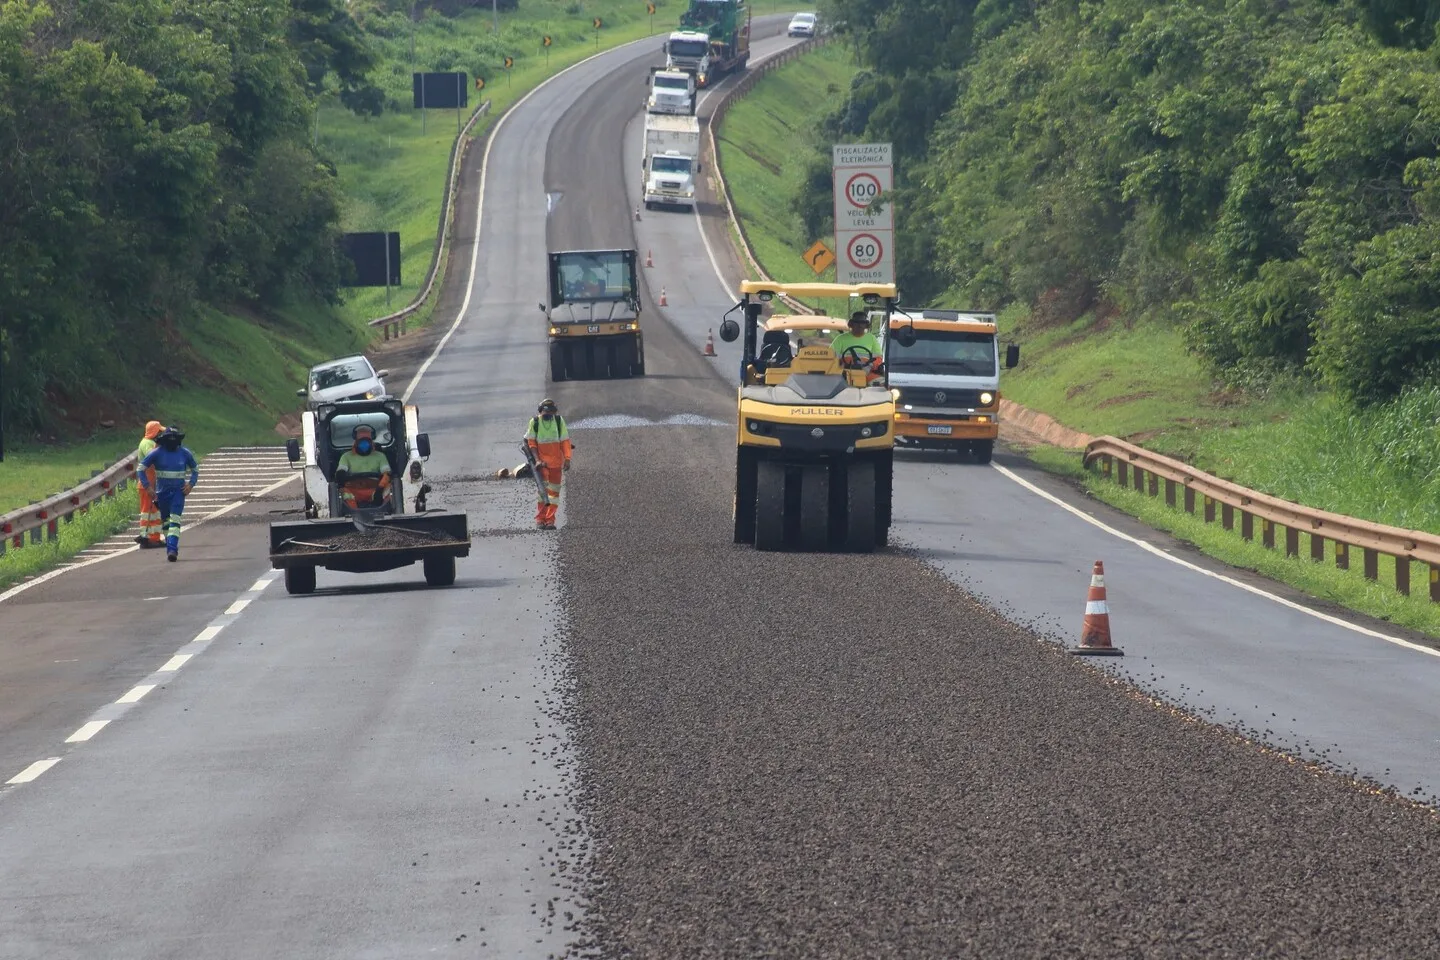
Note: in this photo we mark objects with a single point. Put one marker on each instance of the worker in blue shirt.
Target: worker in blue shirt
(171, 462)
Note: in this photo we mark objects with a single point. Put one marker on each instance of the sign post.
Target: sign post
(864, 177)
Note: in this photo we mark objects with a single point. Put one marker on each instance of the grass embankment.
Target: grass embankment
(764, 142)
(234, 376)
(1104, 376)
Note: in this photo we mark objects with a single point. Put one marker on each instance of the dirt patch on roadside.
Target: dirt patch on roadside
(1124, 399)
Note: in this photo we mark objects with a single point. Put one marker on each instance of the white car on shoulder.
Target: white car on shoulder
(349, 378)
(802, 25)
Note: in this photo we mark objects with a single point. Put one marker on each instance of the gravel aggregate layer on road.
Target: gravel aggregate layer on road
(791, 755)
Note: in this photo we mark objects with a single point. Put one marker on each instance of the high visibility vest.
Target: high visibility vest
(143, 451)
(548, 435)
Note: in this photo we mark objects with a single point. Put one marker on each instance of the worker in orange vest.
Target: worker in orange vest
(149, 538)
(549, 440)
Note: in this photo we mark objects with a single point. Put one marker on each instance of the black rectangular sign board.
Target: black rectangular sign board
(440, 90)
(367, 251)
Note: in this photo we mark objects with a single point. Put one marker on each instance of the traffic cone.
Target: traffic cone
(637, 211)
(710, 344)
(1095, 633)
(663, 302)
(649, 260)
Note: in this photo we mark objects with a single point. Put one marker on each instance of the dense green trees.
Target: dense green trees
(153, 156)
(1266, 174)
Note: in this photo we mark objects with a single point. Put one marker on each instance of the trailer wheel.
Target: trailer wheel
(984, 450)
(300, 579)
(860, 513)
(440, 570)
(815, 508)
(770, 506)
(557, 362)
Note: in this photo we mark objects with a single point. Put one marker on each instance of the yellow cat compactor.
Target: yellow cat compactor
(815, 434)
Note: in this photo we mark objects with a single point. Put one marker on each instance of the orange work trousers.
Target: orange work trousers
(553, 477)
(149, 514)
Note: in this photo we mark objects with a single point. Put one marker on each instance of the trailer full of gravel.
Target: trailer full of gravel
(791, 755)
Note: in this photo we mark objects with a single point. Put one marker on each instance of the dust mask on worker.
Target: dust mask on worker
(363, 446)
(547, 415)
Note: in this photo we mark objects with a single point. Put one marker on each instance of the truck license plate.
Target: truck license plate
(942, 430)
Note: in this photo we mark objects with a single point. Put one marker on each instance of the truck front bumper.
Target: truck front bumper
(943, 431)
(671, 199)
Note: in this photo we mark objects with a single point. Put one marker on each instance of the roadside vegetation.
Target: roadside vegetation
(187, 271)
(1209, 224)
(104, 518)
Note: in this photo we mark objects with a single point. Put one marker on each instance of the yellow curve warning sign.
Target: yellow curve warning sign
(819, 257)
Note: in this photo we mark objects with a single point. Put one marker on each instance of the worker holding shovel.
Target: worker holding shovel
(548, 444)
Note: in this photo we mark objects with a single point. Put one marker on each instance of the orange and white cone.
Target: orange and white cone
(1095, 633)
(710, 344)
(637, 211)
(649, 259)
(663, 302)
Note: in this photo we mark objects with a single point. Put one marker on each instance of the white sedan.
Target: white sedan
(802, 25)
(349, 378)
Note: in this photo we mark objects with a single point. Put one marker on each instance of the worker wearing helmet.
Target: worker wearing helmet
(549, 442)
(149, 538)
(364, 472)
(176, 473)
(865, 344)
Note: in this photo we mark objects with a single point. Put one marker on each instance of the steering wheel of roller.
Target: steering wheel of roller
(857, 357)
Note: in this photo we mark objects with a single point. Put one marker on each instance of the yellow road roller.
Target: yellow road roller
(815, 431)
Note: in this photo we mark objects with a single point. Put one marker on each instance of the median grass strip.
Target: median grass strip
(393, 167)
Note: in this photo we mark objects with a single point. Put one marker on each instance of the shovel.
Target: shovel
(535, 472)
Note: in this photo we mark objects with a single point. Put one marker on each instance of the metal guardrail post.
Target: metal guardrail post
(1404, 547)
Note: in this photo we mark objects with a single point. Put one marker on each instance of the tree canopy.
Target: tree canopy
(1266, 174)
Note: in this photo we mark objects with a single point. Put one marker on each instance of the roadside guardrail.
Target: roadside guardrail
(41, 521)
(396, 321)
(1144, 471)
(723, 107)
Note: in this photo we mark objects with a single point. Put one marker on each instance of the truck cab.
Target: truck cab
(689, 51)
(328, 431)
(948, 381)
(671, 160)
(671, 91)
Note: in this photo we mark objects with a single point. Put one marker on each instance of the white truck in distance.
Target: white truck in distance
(671, 91)
(671, 160)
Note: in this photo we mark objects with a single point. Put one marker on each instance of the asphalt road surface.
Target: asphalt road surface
(633, 738)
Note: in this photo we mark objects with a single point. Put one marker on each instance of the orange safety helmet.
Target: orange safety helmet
(153, 428)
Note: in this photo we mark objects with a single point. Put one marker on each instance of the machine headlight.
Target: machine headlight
(554, 331)
(866, 431)
(986, 398)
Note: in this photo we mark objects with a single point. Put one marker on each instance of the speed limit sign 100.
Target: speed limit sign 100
(862, 189)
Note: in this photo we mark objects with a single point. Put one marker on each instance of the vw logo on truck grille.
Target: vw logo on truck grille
(940, 396)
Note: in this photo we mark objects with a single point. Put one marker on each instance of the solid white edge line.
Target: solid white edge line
(1248, 588)
(175, 663)
(46, 577)
(87, 730)
(480, 211)
(33, 771)
(136, 693)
